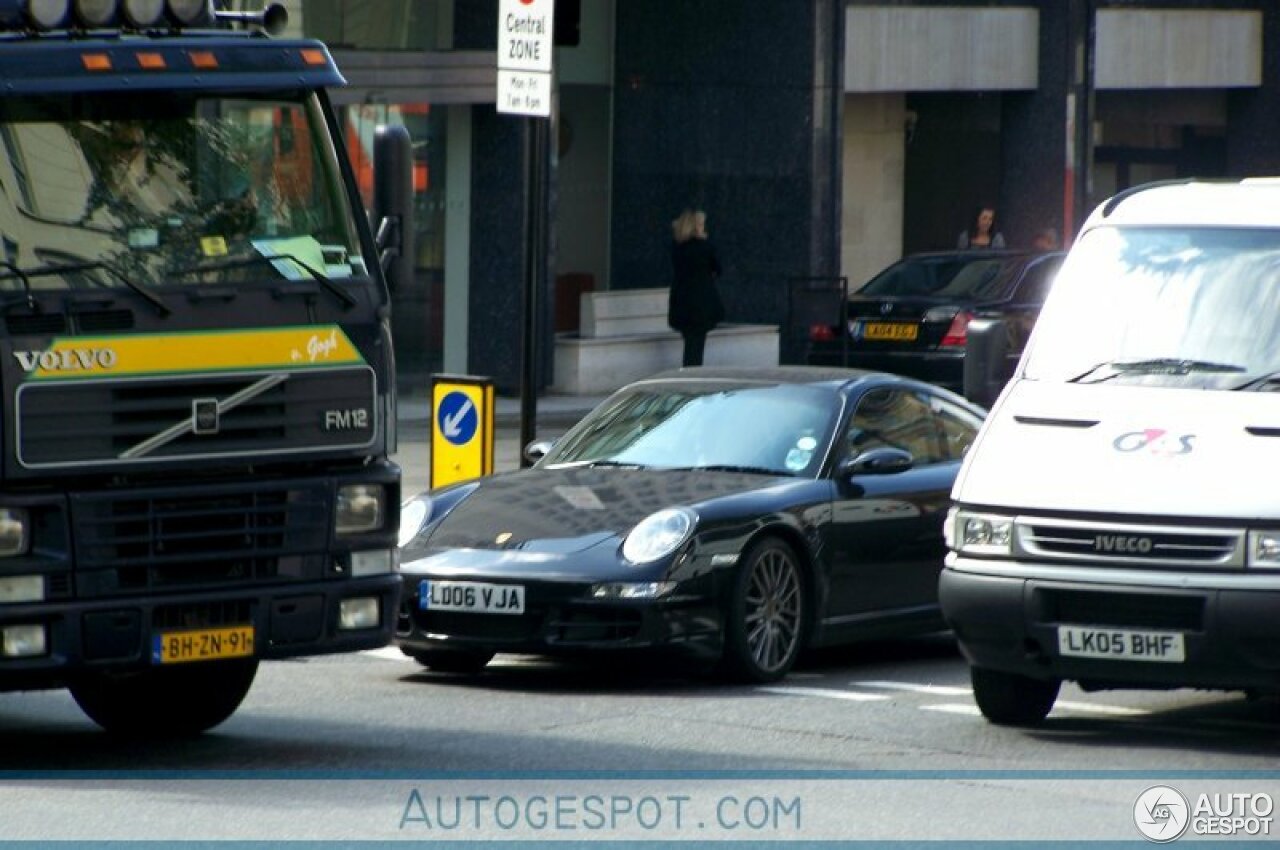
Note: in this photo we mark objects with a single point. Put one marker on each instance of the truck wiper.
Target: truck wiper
(1154, 366)
(338, 291)
(51, 269)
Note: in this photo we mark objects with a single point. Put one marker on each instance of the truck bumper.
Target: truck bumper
(287, 621)
(1010, 623)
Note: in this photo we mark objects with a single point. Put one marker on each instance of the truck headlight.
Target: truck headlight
(143, 13)
(1264, 550)
(658, 535)
(48, 14)
(360, 508)
(980, 534)
(14, 532)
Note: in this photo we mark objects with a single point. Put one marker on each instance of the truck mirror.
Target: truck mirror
(393, 204)
(986, 356)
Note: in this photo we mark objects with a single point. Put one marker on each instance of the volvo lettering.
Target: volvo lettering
(195, 359)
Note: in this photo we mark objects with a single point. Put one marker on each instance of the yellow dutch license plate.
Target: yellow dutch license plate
(891, 331)
(202, 645)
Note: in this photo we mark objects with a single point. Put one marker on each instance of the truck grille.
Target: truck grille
(1130, 545)
(137, 541)
(97, 423)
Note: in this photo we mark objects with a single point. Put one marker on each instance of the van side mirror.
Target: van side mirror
(986, 356)
(393, 204)
(882, 460)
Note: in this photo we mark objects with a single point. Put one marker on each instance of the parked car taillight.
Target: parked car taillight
(958, 333)
(822, 333)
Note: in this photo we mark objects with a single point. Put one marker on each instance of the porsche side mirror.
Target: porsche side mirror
(537, 450)
(883, 460)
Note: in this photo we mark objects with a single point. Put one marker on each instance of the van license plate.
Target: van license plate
(896, 331)
(1120, 644)
(202, 645)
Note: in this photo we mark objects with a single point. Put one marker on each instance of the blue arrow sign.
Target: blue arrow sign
(457, 418)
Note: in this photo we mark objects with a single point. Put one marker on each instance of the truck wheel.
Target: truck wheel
(164, 703)
(768, 614)
(454, 660)
(1009, 699)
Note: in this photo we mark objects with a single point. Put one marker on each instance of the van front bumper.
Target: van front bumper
(1006, 616)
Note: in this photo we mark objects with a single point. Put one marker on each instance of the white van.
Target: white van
(1117, 521)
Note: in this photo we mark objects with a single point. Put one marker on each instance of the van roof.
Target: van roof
(1250, 202)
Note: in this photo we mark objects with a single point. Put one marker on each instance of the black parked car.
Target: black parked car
(913, 317)
(736, 514)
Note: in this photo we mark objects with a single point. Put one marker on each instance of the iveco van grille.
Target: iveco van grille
(103, 422)
(207, 536)
(1114, 544)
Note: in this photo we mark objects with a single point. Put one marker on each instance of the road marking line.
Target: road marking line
(387, 653)
(937, 690)
(829, 693)
(953, 708)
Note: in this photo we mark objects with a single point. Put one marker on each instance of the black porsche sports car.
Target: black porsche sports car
(738, 514)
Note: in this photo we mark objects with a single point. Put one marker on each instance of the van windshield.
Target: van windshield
(1176, 307)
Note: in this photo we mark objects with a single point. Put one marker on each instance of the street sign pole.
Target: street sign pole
(525, 83)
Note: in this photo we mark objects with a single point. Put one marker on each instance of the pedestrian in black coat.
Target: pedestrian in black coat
(694, 307)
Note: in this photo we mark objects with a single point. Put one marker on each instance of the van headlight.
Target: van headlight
(658, 535)
(1264, 549)
(360, 508)
(980, 534)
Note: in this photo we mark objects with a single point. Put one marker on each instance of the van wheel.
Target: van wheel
(163, 703)
(454, 660)
(768, 614)
(1009, 699)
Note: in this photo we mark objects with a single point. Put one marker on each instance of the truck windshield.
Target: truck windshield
(1175, 307)
(140, 191)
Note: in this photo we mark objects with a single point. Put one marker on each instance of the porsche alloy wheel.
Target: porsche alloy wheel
(767, 622)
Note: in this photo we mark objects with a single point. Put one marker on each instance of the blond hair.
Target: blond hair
(687, 225)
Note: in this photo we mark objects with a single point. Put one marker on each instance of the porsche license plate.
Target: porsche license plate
(202, 645)
(1121, 644)
(893, 331)
(471, 596)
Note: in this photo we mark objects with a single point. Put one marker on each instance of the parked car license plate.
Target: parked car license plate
(895, 331)
(471, 596)
(1122, 644)
(202, 645)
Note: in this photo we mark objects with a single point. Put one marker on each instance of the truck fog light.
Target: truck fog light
(21, 589)
(23, 641)
(143, 13)
(358, 613)
(97, 13)
(373, 563)
(1264, 549)
(48, 14)
(191, 13)
(633, 590)
(360, 508)
(13, 532)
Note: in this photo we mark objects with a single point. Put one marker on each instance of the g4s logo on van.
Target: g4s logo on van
(1156, 441)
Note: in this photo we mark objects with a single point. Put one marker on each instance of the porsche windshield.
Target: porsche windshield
(1176, 307)
(146, 190)
(782, 430)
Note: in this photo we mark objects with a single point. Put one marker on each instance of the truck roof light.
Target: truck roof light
(96, 61)
(204, 59)
(151, 61)
(48, 14)
(191, 13)
(143, 13)
(314, 57)
(97, 13)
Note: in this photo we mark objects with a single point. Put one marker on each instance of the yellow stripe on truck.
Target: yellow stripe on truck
(152, 354)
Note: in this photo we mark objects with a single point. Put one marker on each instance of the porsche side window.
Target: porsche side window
(897, 418)
(957, 427)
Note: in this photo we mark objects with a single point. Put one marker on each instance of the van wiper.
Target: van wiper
(1154, 366)
(52, 269)
(1268, 382)
(338, 291)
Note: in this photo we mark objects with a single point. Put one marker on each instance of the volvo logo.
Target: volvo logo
(66, 360)
(1123, 544)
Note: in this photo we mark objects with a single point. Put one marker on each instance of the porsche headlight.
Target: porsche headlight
(413, 516)
(980, 534)
(658, 535)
